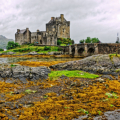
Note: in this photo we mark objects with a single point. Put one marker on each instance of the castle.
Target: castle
(56, 28)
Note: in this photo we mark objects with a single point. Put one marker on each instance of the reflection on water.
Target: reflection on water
(18, 59)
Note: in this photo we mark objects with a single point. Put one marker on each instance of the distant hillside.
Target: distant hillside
(4, 41)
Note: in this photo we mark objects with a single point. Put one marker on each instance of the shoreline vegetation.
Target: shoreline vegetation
(65, 95)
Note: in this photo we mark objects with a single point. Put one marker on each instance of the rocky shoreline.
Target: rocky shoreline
(101, 64)
(35, 53)
(18, 73)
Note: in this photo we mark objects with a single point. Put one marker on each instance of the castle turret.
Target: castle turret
(18, 30)
(52, 18)
(62, 17)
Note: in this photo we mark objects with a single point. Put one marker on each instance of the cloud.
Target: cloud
(89, 18)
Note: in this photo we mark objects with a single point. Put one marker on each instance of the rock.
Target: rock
(107, 76)
(9, 80)
(23, 80)
(100, 80)
(33, 53)
(95, 64)
(1, 79)
(50, 53)
(41, 53)
(63, 76)
(81, 117)
(10, 53)
(20, 73)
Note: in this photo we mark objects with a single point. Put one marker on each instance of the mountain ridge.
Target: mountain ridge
(4, 41)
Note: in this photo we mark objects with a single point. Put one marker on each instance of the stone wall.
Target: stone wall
(56, 28)
(89, 49)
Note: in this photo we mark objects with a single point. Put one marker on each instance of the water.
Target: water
(18, 59)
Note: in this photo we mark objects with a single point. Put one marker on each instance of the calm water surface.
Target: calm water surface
(18, 59)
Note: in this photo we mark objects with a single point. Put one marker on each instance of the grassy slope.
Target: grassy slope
(32, 48)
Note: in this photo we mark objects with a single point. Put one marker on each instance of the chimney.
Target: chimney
(18, 30)
(52, 18)
(38, 31)
(27, 29)
(62, 17)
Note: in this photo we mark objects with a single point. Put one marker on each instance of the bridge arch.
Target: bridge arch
(64, 50)
(81, 51)
(73, 51)
(91, 51)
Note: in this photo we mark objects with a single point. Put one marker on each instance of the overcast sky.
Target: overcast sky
(88, 18)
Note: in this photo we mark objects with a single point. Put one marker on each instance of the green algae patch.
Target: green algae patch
(74, 73)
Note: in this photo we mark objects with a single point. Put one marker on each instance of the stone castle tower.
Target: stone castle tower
(56, 28)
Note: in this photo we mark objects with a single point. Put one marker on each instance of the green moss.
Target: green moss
(113, 55)
(13, 65)
(117, 70)
(75, 73)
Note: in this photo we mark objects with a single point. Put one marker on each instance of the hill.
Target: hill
(4, 41)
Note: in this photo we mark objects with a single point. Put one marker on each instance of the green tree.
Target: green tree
(1, 49)
(95, 40)
(82, 41)
(72, 42)
(12, 45)
(88, 40)
(59, 42)
(117, 41)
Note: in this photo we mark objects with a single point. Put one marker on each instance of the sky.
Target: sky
(88, 18)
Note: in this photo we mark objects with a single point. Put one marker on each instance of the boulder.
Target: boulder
(33, 53)
(22, 73)
(10, 53)
(95, 64)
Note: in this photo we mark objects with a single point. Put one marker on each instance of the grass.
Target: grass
(62, 44)
(12, 65)
(27, 48)
(28, 91)
(75, 73)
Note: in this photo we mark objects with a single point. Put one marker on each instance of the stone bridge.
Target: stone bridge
(87, 49)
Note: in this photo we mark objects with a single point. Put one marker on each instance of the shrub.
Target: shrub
(59, 42)
(32, 44)
(1, 49)
(59, 49)
(47, 48)
(12, 45)
(82, 41)
(38, 49)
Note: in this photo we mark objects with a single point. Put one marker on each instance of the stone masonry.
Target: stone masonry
(56, 28)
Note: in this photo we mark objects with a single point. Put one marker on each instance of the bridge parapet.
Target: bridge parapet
(87, 49)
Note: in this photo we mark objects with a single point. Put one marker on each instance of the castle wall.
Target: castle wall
(56, 28)
(64, 30)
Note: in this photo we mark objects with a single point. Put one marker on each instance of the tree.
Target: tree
(1, 49)
(117, 41)
(12, 45)
(73, 42)
(95, 40)
(82, 41)
(59, 42)
(88, 40)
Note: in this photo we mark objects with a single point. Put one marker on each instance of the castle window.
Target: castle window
(63, 30)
